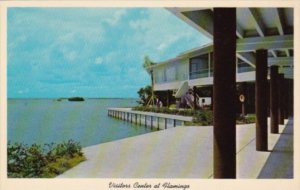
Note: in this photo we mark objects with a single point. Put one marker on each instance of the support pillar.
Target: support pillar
(165, 123)
(261, 105)
(274, 99)
(140, 119)
(212, 98)
(194, 94)
(168, 98)
(281, 99)
(286, 100)
(224, 92)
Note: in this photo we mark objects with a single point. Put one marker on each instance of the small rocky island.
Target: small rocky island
(76, 99)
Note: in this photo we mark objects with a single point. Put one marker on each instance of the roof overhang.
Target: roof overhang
(257, 28)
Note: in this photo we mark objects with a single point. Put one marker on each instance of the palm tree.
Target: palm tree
(147, 65)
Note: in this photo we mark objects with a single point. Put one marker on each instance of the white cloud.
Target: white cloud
(23, 91)
(99, 60)
(162, 46)
(113, 19)
(17, 41)
(71, 56)
(157, 38)
(138, 24)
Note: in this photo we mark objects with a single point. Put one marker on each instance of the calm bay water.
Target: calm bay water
(47, 120)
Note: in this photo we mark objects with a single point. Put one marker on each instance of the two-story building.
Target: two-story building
(196, 66)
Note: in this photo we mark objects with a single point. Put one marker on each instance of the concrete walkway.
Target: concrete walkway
(185, 152)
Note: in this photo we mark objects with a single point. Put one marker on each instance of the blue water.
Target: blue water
(46, 120)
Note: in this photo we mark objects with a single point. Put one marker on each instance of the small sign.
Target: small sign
(242, 98)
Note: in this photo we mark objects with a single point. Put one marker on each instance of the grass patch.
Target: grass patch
(61, 165)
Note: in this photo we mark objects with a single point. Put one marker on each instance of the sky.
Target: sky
(90, 52)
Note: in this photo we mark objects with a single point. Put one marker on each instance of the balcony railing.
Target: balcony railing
(202, 73)
(166, 80)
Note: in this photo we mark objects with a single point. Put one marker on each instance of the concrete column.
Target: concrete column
(261, 106)
(194, 94)
(140, 119)
(286, 99)
(292, 97)
(274, 99)
(166, 123)
(224, 91)
(289, 97)
(281, 99)
(168, 98)
(212, 98)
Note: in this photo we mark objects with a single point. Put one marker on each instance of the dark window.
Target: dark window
(199, 67)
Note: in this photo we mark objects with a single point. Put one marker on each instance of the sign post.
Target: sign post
(242, 100)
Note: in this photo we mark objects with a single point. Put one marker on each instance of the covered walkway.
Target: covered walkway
(186, 152)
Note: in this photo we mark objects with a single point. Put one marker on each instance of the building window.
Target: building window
(159, 75)
(171, 73)
(199, 67)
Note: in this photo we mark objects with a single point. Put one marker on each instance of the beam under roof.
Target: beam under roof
(286, 61)
(247, 57)
(203, 29)
(245, 47)
(279, 21)
(202, 21)
(280, 24)
(268, 42)
(259, 25)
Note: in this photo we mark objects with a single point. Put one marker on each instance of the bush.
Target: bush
(204, 117)
(25, 161)
(250, 118)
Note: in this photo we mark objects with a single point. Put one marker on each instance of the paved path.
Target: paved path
(185, 152)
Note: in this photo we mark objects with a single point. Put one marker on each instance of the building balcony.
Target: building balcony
(204, 81)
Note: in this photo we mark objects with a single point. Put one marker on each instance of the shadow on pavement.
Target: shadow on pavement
(280, 163)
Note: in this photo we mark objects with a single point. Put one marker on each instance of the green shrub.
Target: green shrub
(250, 118)
(34, 161)
(204, 117)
